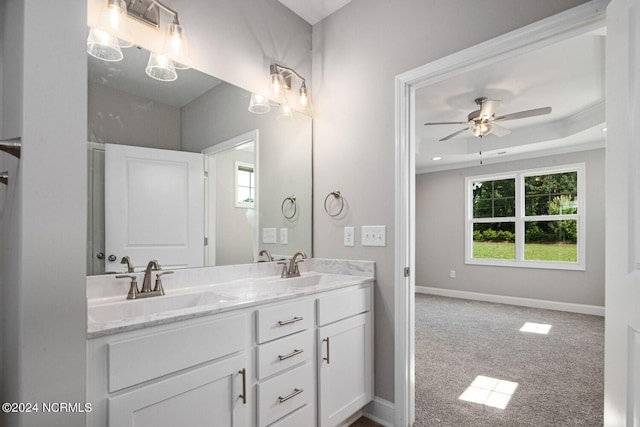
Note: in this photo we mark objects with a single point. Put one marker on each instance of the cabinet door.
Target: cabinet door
(346, 368)
(207, 396)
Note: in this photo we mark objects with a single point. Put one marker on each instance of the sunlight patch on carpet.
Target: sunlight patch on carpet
(490, 392)
(536, 328)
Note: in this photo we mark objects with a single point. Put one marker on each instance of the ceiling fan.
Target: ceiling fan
(481, 122)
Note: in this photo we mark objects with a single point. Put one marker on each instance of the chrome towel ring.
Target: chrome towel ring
(285, 205)
(337, 196)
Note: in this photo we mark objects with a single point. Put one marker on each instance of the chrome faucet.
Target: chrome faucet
(267, 254)
(146, 290)
(146, 282)
(292, 270)
(127, 260)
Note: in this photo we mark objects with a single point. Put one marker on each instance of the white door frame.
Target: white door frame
(209, 158)
(579, 20)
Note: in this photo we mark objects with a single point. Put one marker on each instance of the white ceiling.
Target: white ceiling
(567, 76)
(314, 11)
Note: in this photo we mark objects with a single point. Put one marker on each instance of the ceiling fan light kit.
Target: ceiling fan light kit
(481, 122)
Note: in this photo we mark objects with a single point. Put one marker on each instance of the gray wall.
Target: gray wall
(44, 224)
(357, 52)
(440, 244)
(115, 116)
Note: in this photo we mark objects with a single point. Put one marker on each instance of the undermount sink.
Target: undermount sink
(128, 309)
(309, 280)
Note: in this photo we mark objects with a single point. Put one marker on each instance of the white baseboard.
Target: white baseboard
(525, 302)
(381, 411)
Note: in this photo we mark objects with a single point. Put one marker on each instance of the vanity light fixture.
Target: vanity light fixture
(106, 40)
(281, 80)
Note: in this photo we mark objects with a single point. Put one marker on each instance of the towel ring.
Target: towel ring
(337, 195)
(292, 201)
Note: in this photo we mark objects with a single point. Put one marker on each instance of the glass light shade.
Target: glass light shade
(482, 129)
(103, 45)
(259, 104)
(285, 113)
(175, 47)
(160, 67)
(114, 20)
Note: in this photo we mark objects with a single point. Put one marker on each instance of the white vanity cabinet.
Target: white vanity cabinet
(192, 373)
(304, 361)
(345, 349)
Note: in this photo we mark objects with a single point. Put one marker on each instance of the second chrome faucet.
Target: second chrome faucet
(292, 269)
(146, 290)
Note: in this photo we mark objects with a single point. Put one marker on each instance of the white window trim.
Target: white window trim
(238, 164)
(520, 219)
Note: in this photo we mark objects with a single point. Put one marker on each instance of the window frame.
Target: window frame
(237, 167)
(520, 219)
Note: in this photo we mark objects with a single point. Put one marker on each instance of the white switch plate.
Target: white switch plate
(284, 236)
(374, 235)
(268, 235)
(349, 236)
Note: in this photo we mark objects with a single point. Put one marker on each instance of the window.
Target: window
(245, 185)
(529, 218)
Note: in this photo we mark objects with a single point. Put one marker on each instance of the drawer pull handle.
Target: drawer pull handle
(287, 322)
(296, 391)
(293, 353)
(243, 396)
(327, 341)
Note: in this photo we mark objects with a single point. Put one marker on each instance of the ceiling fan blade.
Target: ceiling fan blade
(499, 130)
(445, 123)
(454, 134)
(523, 114)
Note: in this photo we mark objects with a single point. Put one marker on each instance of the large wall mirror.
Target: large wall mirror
(183, 173)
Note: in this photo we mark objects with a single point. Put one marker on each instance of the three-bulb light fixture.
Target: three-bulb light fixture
(281, 82)
(112, 34)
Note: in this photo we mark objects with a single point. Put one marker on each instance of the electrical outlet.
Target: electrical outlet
(268, 235)
(349, 236)
(284, 236)
(374, 235)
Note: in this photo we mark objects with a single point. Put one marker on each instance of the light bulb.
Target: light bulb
(304, 96)
(276, 83)
(176, 48)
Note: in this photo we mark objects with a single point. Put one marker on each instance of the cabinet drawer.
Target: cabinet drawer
(285, 393)
(305, 416)
(341, 305)
(285, 319)
(284, 353)
(151, 356)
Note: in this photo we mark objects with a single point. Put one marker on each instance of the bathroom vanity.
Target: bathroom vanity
(233, 346)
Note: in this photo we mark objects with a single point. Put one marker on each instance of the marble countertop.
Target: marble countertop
(192, 293)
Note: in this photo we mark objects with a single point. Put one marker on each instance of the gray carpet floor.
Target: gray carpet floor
(559, 375)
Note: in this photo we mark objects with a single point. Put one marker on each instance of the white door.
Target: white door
(154, 207)
(622, 298)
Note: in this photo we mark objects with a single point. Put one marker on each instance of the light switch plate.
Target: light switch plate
(374, 235)
(349, 236)
(268, 235)
(284, 236)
